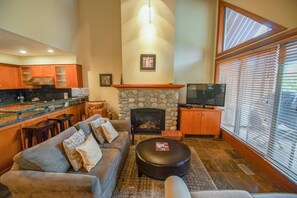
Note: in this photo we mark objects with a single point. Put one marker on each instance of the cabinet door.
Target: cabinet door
(60, 77)
(9, 77)
(48, 71)
(10, 145)
(71, 76)
(190, 122)
(25, 76)
(36, 71)
(210, 122)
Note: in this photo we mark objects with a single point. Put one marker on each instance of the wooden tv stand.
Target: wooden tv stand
(200, 121)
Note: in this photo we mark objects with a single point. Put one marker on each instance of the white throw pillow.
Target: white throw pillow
(90, 152)
(95, 125)
(70, 144)
(109, 132)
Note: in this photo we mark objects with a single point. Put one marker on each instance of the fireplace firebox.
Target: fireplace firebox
(147, 120)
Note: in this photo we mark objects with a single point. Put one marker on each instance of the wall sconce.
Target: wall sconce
(149, 12)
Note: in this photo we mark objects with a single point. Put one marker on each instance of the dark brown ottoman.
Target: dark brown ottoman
(175, 160)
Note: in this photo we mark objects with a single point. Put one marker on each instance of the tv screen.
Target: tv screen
(206, 94)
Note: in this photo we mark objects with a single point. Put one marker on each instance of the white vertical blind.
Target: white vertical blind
(229, 74)
(261, 103)
(282, 149)
(257, 91)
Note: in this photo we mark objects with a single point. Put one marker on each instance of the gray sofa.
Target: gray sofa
(44, 170)
(176, 188)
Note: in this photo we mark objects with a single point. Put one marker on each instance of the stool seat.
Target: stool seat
(61, 119)
(40, 131)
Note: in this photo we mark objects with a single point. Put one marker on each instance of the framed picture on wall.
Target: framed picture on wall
(147, 62)
(105, 80)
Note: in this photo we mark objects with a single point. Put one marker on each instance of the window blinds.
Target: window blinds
(282, 148)
(229, 74)
(261, 103)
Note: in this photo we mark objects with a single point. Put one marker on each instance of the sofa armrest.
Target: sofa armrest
(34, 182)
(175, 187)
(121, 125)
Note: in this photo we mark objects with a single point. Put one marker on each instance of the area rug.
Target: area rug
(130, 185)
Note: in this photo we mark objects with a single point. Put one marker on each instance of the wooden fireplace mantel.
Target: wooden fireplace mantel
(148, 86)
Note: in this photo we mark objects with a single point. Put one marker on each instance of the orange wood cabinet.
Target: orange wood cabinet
(38, 70)
(11, 141)
(9, 77)
(10, 145)
(68, 76)
(200, 121)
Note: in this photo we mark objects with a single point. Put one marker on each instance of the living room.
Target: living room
(110, 37)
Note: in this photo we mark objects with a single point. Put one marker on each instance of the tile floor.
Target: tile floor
(221, 162)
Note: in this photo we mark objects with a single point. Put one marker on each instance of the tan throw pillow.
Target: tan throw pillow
(95, 125)
(109, 132)
(70, 144)
(90, 152)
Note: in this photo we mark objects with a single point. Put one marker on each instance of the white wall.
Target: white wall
(195, 33)
(53, 22)
(9, 59)
(100, 47)
(282, 12)
(141, 37)
(38, 60)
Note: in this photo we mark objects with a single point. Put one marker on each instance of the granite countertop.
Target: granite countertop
(16, 112)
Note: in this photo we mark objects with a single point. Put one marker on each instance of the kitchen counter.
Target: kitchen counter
(17, 112)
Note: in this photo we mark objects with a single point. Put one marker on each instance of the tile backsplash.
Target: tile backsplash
(47, 93)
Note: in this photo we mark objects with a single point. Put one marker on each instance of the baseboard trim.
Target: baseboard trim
(259, 162)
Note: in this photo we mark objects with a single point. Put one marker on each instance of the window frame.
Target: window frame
(275, 28)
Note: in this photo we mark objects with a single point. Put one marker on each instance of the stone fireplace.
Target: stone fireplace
(148, 119)
(155, 96)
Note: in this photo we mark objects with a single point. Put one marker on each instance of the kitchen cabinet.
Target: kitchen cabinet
(68, 76)
(37, 71)
(200, 121)
(25, 76)
(10, 145)
(9, 77)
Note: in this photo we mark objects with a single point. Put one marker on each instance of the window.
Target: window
(282, 149)
(261, 103)
(238, 27)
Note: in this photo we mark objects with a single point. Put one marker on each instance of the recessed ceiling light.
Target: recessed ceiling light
(23, 51)
(50, 51)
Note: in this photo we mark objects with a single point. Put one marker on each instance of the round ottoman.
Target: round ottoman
(162, 161)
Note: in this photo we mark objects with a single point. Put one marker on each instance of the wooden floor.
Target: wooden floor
(223, 165)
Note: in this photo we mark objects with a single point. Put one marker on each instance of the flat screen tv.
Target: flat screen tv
(206, 94)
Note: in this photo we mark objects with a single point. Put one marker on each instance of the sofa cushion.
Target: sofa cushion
(106, 167)
(93, 117)
(221, 194)
(95, 125)
(109, 132)
(119, 143)
(84, 125)
(90, 152)
(70, 144)
(48, 156)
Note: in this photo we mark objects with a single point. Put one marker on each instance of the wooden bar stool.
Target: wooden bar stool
(63, 120)
(40, 131)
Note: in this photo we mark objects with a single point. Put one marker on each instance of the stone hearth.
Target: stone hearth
(161, 99)
(159, 96)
